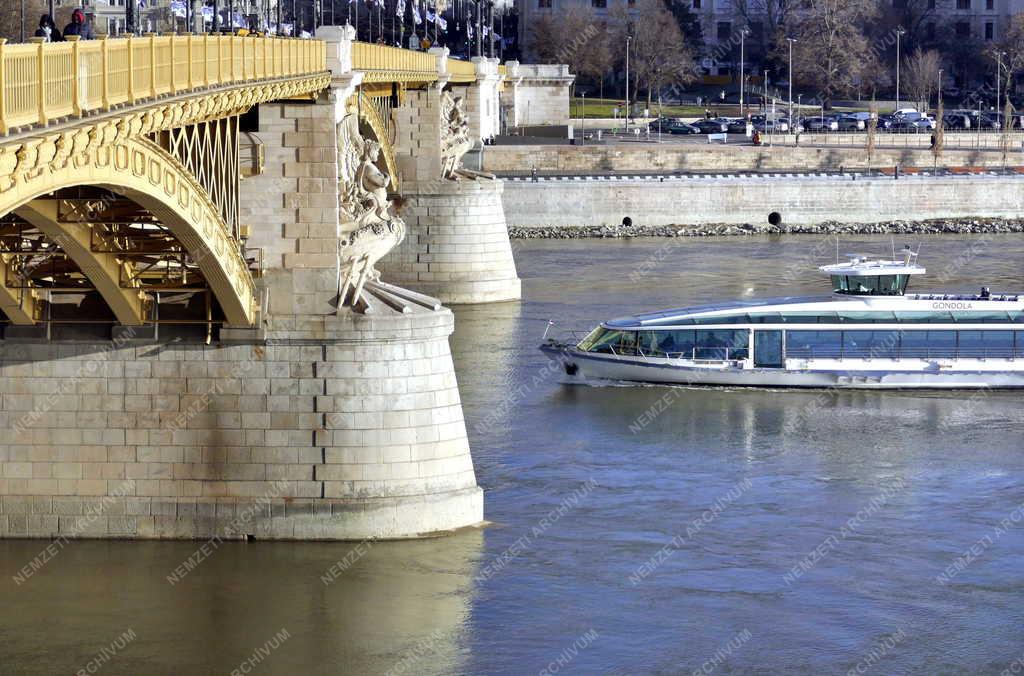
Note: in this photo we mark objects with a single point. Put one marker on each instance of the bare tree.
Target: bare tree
(574, 38)
(921, 75)
(11, 16)
(1012, 46)
(872, 131)
(939, 137)
(659, 56)
(831, 49)
(773, 16)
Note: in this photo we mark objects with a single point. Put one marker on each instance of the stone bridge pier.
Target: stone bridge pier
(457, 246)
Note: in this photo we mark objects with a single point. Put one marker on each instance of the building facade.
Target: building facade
(934, 23)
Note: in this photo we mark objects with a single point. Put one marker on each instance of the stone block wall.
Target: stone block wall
(292, 207)
(417, 144)
(457, 247)
(359, 436)
(687, 200)
(537, 94)
(696, 157)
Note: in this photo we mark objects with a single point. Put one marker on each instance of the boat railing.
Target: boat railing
(704, 354)
(904, 352)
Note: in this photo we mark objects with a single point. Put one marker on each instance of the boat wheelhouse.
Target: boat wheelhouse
(870, 333)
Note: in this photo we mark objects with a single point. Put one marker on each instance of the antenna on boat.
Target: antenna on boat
(893, 240)
(547, 328)
(837, 248)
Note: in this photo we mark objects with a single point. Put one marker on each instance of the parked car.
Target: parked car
(953, 121)
(905, 126)
(795, 125)
(710, 127)
(677, 127)
(820, 123)
(996, 119)
(849, 123)
(737, 126)
(885, 121)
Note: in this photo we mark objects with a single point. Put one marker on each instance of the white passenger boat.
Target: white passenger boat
(869, 333)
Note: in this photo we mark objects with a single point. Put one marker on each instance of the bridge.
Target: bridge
(121, 162)
(222, 267)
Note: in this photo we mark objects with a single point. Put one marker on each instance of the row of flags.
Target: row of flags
(433, 15)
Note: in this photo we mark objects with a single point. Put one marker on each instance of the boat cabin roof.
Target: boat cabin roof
(861, 266)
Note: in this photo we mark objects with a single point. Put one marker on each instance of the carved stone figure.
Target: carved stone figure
(455, 139)
(369, 227)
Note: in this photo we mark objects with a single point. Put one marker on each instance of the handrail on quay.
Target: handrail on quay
(43, 81)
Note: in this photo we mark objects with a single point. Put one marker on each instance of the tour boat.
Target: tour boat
(869, 333)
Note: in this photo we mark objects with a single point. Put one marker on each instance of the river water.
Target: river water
(634, 530)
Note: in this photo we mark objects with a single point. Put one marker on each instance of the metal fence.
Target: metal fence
(42, 81)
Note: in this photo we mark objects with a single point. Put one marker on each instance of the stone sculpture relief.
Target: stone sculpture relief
(455, 139)
(368, 225)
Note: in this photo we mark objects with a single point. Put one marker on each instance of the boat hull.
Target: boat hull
(581, 366)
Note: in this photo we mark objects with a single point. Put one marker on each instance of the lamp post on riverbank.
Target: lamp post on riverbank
(627, 83)
(743, 34)
(790, 41)
(899, 32)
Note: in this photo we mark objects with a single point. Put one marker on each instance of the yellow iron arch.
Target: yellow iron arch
(143, 172)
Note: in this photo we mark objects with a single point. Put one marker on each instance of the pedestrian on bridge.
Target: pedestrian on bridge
(79, 26)
(48, 29)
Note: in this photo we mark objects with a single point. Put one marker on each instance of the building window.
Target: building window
(931, 4)
(696, 4)
(631, 3)
(600, 4)
(899, 4)
(724, 31)
(990, 5)
(544, 4)
(989, 30)
(963, 4)
(963, 29)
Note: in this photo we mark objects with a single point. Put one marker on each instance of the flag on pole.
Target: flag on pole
(400, 8)
(442, 23)
(417, 18)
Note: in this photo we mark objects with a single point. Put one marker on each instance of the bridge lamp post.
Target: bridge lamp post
(899, 32)
(791, 41)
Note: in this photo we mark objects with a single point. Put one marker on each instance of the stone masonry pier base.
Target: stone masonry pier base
(457, 247)
(348, 429)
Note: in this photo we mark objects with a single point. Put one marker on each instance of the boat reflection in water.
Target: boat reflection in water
(869, 333)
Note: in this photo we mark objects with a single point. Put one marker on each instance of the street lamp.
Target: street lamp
(791, 41)
(999, 74)
(627, 83)
(743, 34)
(899, 32)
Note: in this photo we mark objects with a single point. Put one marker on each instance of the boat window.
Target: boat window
(614, 342)
(822, 344)
(870, 285)
(696, 344)
(591, 337)
(871, 344)
(993, 344)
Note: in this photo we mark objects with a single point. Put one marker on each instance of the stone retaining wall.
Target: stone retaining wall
(739, 199)
(697, 157)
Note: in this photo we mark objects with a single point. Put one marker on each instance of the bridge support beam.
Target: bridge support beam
(104, 270)
(18, 304)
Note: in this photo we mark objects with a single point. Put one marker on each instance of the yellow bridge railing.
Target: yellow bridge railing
(381, 63)
(46, 81)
